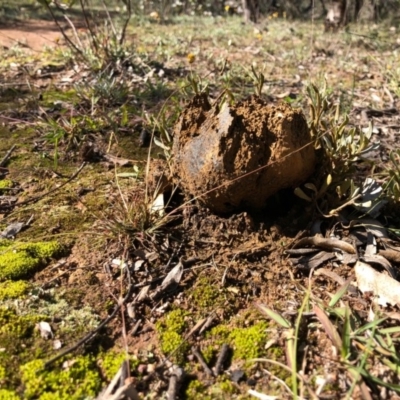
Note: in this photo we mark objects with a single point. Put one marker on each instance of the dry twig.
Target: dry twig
(200, 359)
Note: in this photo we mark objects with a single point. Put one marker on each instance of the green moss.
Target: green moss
(206, 294)
(8, 395)
(13, 290)
(227, 387)
(79, 381)
(209, 353)
(6, 184)
(19, 259)
(222, 389)
(247, 342)
(195, 390)
(111, 362)
(13, 325)
(170, 333)
(18, 338)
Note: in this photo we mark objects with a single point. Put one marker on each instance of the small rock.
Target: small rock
(237, 375)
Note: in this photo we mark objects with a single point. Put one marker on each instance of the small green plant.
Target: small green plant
(292, 338)
(101, 43)
(340, 148)
(392, 176)
(349, 333)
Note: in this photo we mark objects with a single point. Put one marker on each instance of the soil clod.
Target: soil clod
(237, 156)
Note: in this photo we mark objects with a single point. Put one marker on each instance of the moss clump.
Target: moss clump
(12, 324)
(222, 389)
(13, 290)
(170, 332)
(111, 362)
(20, 259)
(226, 387)
(18, 338)
(6, 184)
(206, 294)
(8, 395)
(79, 381)
(195, 390)
(247, 342)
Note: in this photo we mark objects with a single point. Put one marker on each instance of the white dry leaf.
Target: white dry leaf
(67, 364)
(138, 264)
(373, 226)
(45, 330)
(120, 263)
(130, 308)
(385, 289)
(116, 262)
(371, 248)
(320, 382)
(376, 98)
(371, 315)
(158, 205)
(174, 277)
(261, 396)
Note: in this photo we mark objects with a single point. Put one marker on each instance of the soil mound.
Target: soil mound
(216, 149)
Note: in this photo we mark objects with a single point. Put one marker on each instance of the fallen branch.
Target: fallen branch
(327, 244)
(3, 162)
(174, 382)
(221, 359)
(201, 360)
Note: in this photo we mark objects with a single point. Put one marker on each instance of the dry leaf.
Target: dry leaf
(385, 288)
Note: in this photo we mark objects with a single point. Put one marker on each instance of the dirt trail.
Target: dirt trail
(33, 35)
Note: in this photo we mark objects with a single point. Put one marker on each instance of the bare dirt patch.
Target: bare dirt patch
(31, 34)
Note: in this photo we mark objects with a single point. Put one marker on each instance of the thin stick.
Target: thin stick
(110, 21)
(92, 34)
(69, 41)
(123, 32)
(74, 30)
(200, 359)
(5, 159)
(33, 199)
(91, 334)
(174, 382)
(221, 359)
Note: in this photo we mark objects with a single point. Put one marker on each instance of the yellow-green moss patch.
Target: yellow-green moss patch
(247, 342)
(111, 362)
(6, 184)
(12, 324)
(18, 338)
(8, 395)
(170, 333)
(80, 380)
(222, 389)
(13, 289)
(20, 259)
(206, 294)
